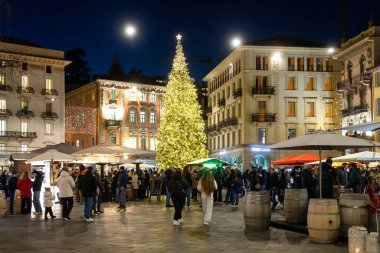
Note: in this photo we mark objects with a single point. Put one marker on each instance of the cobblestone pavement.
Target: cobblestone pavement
(147, 227)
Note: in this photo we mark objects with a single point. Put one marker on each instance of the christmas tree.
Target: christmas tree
(181, 136)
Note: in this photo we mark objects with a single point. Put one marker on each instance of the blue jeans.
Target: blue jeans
(88, 206)
(167, 197)
(36, 201)
(11, 201)
(188, 195)
(121, 195)
(228, 195)
(234, 197)
(272, 193)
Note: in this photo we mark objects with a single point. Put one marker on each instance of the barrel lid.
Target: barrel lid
(354, 196)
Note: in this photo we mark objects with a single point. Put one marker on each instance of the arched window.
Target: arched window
(152, 118)
(132, 115)
(362, 65)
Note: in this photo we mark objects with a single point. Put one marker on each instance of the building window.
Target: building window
(152, 143)
(300, 64)
(48, 69)
(291, 83)
(48, 128)
(310, 64)
(143, 143)
(142, 97)
(2, 147)
(132, 96)
(112, 114)
(2, 79)
(152, 97)
(3, 127)
(265, 63)
(24, 66)
(309, 112)
(152, 117)
(291, 66)
(48, 84)
(258, 62)
(328, 83)
(24, 147)
(24, 127)
(132, 142)
(24, 105)
(329, 109)
(3, 104)
(329, 64)
(262, 135)
(377, 101)
(320, 64)
(132, 116)
(113, 139)
(77, 143)
(291, 133)
(112, 94)
(310, 83)
(24, 81)
(142, 116)
(291, 109)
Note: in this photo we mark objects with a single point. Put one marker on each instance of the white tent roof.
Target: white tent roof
(361, 156)
(50, 155)
(371, 126)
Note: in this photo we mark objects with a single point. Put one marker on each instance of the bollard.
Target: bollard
(356, 239)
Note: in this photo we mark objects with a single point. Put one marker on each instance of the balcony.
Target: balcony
(263, 117)
(238, 93)
(25, 90)
(49, 92)
(228, 122)
(212, 128)
(265, 90)
(354, 110)
(222, 102)
(24, 113)
(16, 134)
(6, 88)
(209, 109)
(113, 123)
(5, 113)
(49, 115)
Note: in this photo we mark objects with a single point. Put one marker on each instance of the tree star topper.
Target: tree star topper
(179, 36)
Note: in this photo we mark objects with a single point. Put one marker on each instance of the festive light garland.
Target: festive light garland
(86, 123)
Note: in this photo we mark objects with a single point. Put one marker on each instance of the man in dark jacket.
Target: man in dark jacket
(82, 172)
(88, 186)
(37, 184)
(12, 187)
(218, 176)
(272, 185)
(309, 182)
(168, 176)
(122, 181)
(327, 179)
(354, 178)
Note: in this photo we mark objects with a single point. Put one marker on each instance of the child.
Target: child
(48, 203)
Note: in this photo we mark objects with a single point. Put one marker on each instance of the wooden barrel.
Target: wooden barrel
(257, 210)
(295, 205)
(356, 239)
(353, 211)
(337, 192)
(2, 194)
(323, 220)
(3, 204)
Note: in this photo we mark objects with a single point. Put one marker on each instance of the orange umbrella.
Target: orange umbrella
(283, 161)
(305, 158)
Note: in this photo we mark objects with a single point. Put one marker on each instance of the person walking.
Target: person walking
(66, 185)
(177, 187)
(25, 185)
(82, 171)
(167, 178)
(48, 203)
(122, 181)
(342, 175)
(89, 187)
(37, 184)
(12, 187)
(114, 188)
(187, 177)
(207, 185)
(272, 186)
(194, 182)
(3, 183)
(98, 200)
(236, 188)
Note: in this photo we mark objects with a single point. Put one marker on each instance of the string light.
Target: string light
(80, 120)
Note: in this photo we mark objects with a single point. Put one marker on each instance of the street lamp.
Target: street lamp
(235, 42)
(130, 30)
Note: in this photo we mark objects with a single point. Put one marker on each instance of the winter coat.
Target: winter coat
(203, 193)
(218, 176)
(272, 181)
(177, 186)
(48, 199)
(25, 186)
(354, 180)
(135, 182)
(37, 184)
(12, 183)
(327, 181)
(65, 184)
(89, 185)
(342, 176)
(122, 179)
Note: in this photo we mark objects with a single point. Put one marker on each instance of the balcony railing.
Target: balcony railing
(212, 128)
(209, 109)
(15, 134)
(5, 113)
(354, 110)
(265, 90)
(49, 92)
(49, 115)
(263, 117)
(4, 87)
(24, 114)
(113, 123)
(24, 90)
(228, 122)
(222, 102)
(238, 93)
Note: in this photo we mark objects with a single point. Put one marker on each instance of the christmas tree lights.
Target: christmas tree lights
(181, 136)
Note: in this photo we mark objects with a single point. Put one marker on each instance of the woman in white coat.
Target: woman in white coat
(207, 185)
(66, 185)
(135, 185)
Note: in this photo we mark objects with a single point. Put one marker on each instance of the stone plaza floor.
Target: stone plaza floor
(147, 227)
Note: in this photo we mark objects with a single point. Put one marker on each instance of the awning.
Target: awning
(371, 126)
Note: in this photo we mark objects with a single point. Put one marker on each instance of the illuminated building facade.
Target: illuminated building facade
(108, 111)
(268, 92)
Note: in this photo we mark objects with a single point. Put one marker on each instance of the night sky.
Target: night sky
(206, 27)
